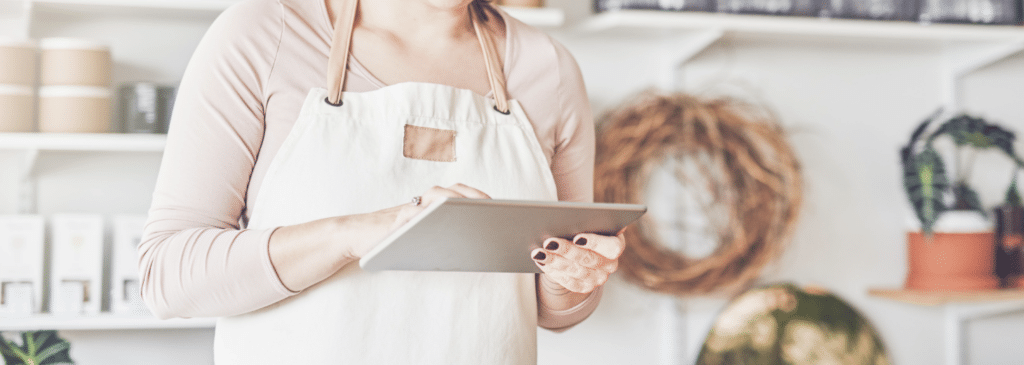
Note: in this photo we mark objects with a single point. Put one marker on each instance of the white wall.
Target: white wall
(849, 108)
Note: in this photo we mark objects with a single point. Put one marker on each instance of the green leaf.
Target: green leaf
(967, 199)
(924, 178)
(37, 348)
(1013, 195)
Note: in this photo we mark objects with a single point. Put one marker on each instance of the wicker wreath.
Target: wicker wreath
(743, 161)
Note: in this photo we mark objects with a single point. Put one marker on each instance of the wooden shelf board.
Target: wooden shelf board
(796, 27)
(944, 297)
(83, 142)
(100, 322)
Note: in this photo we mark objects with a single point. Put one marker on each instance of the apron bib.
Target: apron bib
(352, 153)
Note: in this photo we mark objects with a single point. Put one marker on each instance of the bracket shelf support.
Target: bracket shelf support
(27, 182)
(681, 49)
(961, 59)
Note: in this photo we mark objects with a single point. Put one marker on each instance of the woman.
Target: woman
(318, 176)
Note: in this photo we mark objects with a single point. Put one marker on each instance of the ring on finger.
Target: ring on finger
(416, 200)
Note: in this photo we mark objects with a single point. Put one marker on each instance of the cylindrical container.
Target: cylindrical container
(140, 108)
(78, 62)
(74, 109)
(959, 255)
(1009, 239)
(16, 108)
(167, 96)
(18, 64)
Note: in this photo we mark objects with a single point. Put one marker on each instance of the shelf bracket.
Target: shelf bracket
(27, 182)
(679, 51)
(962, 58)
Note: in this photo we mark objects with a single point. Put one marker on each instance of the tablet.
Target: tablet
(484, 235)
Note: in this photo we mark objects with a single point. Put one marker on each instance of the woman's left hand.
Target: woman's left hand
(583, 264)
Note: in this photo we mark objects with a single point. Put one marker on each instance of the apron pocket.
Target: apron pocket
(429, 144)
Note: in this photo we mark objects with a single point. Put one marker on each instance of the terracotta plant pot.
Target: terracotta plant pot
(959, 256)
(951, 261)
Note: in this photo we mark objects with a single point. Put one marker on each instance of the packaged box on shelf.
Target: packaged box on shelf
(125, 294)
(76, 263)
(21, 265)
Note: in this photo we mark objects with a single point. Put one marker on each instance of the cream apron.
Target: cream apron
(352, 158)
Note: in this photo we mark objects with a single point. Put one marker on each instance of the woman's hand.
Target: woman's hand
(408, 211)
(583, 264)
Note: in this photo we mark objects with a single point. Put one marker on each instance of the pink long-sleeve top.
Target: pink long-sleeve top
(241, 94)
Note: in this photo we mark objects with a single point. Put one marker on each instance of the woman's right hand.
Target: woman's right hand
(410, 210)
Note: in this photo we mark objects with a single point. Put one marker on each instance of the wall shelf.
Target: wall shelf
(97, 142)
(785, 27)
(932, 298)
(538, 17)
(101, 322)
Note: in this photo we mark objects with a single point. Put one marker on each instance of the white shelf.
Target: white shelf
(791, 27)
(538, 17)
(100, 322)
(100, 142)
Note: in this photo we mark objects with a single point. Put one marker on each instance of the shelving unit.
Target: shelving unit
(101, 322)
(965, 48)
(958, 309)
(96, 142)
(538, 17)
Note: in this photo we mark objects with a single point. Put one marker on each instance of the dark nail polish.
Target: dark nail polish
(581, 242)
(540, 256)
(552, 246)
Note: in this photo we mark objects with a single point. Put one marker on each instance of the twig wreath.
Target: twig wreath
(742, 156)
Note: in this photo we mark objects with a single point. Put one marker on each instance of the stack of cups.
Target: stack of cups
(74, 96)
(17, 80)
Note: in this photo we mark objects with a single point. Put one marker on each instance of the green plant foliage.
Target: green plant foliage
(1013, 195)
(924, 173)
(37, 348)
(924, 177)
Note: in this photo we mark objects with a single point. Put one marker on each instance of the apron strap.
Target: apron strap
(341, 46)
(337, 64)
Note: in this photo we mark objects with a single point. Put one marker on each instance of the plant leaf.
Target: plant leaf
(1013, 195)
(924, 178)
(38, 348)
(967, 199)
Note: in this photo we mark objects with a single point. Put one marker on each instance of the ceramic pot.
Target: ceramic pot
(79, 62)
(18, 108)
(17, 62)
(959, 256)
(74, 109)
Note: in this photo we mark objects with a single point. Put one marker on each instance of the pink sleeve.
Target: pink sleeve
(573, 168)
(194, 261)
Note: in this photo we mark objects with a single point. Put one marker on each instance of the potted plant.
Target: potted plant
(954, 249)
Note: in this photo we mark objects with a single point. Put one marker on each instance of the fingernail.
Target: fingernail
(540, 256)
(551, 246)
(581, 241)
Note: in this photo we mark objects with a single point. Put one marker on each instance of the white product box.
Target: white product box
(76, 263)
(125, 294)
(21, 264)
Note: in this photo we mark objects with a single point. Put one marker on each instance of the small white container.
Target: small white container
(125, 291)
(76, 263)
(18, 64)
(71, 61)
(21, 265)
(74, 109)
(17, 108)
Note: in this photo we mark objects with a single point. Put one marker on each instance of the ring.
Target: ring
(416, 200)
